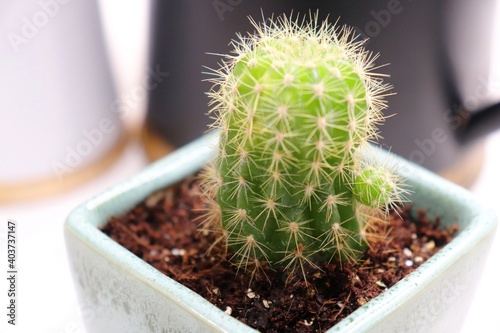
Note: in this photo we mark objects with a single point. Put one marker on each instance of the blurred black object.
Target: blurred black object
(439, 54)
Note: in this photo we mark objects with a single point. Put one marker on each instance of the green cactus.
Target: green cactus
(294, 107)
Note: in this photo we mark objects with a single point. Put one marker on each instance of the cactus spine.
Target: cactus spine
(294, 107)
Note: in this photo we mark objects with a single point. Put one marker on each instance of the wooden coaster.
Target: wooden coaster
(52, 185)
(466, 170)
(154, 144)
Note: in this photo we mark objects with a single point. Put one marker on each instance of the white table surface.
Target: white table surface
(47, 301)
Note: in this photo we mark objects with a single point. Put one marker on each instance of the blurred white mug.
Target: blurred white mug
(58, 113)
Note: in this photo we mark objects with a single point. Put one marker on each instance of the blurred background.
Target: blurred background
(89, 89)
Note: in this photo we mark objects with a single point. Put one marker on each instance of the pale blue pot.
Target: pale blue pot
(121, 293)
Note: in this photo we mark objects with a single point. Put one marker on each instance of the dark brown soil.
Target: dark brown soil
(162, 232)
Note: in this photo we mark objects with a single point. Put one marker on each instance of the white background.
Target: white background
(47, 302)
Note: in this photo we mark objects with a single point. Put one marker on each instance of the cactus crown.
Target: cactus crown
(294, 106)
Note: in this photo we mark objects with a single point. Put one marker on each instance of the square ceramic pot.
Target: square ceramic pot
(125, 294)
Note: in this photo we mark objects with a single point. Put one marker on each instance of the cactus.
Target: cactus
(294, 107)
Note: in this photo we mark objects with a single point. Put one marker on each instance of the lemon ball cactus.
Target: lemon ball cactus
(295, 105)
